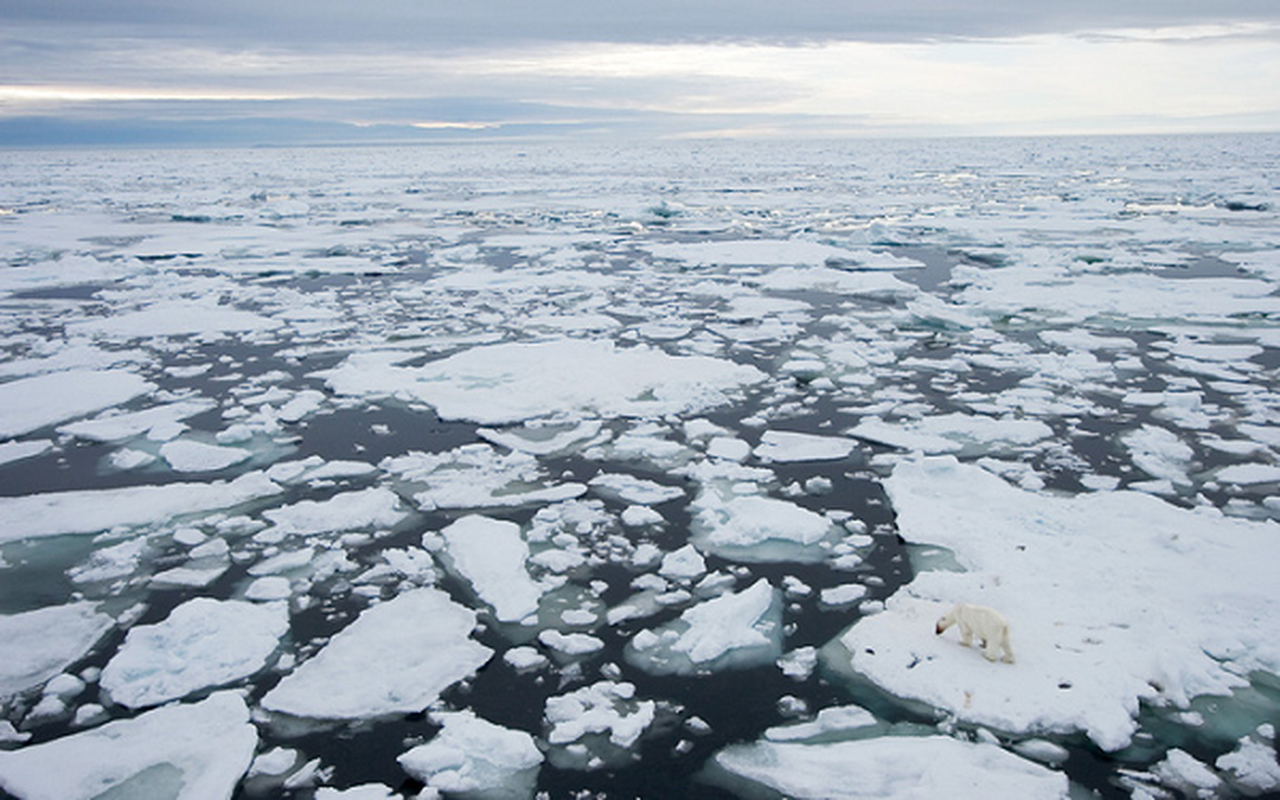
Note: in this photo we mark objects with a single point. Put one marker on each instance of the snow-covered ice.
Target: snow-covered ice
(890, 767)
(471, 755)
(1175, 602)
(396, 657)
(202, 643)
(162, 753)
(490, 555)
(40, 643)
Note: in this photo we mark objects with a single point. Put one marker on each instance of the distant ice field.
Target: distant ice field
(519, 471)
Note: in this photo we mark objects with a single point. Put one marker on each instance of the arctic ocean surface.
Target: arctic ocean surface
(516, 471)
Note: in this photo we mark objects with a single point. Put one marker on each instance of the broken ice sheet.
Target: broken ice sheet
(892, 766)
(162, 753)
(41, 643)
(395, 658)
(202, 643)
(472, 756)
(733, 631)
(477, 476)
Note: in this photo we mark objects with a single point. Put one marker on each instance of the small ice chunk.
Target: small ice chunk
(267, 589)
(376, 507)
(421, 644)
(606, 707)
(191, 456)
(162, 753)
(799, 664)
(1182, 771)
(683, 564)
(1252, 766)
(790, 446)
(641, 517)
(833, 720)
(365, 791)
(17, 451)
(728, 448)
(733, 630)
(843, 595)
(202, 643)
(471, 754)
(571, 644)
(524, 658)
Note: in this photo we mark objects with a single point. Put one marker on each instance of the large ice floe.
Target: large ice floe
(199, 750)
(518, 471)
(1175, 603)
(396, 657)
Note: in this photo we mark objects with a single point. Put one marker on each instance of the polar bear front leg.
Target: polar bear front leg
(966, 634)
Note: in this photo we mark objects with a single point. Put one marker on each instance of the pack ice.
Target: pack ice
(1115, 600)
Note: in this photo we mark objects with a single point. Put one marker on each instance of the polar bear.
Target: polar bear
(987, 624)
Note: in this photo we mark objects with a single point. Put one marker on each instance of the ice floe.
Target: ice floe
(508, 383)
(202, 643)
(162, 753)
(1172, 601)
(888, 767)
(474, 757)
(29, 404)
(41, 643)
(490, 555)
(734, 630)
(395, 658)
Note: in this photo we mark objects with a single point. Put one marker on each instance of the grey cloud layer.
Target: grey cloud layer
(433, 23)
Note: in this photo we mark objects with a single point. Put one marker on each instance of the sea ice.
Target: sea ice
(29, 404)
(17, 451)
(787, 446)
(92, 510)
(376, 507)
(889, 767)
(735, 630)
(186, 455)
(757, 528)
(115, 427)
(395, 658)
(473, 756)
(1114, 599)
(202, 643)
(491, 555)
(165, 752)
(605, 716)
(39, 644)
(506, 383)
(953, 433)
(478, 476)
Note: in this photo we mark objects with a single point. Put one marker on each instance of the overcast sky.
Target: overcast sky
(660, 67)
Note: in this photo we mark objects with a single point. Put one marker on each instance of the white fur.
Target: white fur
(987, 624)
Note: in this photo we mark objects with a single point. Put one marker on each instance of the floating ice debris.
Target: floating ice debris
(887, 767)
(683, 564)
(207, 320)
(202, 643)
(524, 658)
(1252, 766)
(395, 658)
(18, 451)
(115, 427)
(93, 510)
(735, 630)
(1180, 770)
(788, 446)
(186, 455)
(29, 404)
(162, 753)
(40, 644)
(842, 595)
(543, 439)
(1160, 453)
(952, 433)
(633, 489)
(365, 791)
(376, 507)
(506, 383)
(1117, 579)
(757, 528)
(831, 722)
(473, 755)
(478, 476)
(490, 554)
(750, 252)
(605, 717)
(571, 644)
(1249, 474)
